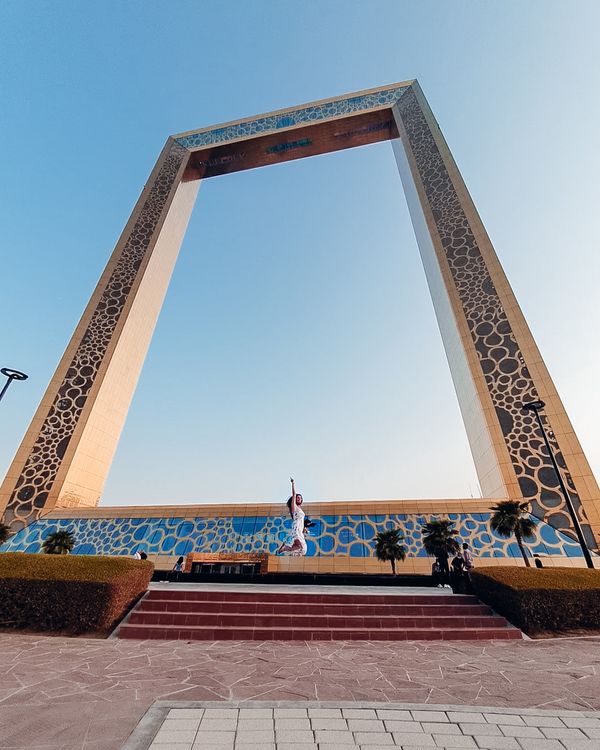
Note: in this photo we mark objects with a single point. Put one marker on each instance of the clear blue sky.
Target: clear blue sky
(298, 335)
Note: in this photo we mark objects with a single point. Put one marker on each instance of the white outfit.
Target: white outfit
(298, 531)
(468, 558)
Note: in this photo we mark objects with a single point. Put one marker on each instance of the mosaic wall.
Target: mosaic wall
(352, 535)
(303, 115)
(38, 475)
(506, 375)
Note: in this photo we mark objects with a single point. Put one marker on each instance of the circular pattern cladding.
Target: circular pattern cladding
(507, 378)
(352, 535)
(40, 469)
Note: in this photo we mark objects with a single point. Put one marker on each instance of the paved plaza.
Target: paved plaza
(86, 694)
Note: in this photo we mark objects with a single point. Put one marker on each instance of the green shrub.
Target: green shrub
(537, 600)
(74, 593)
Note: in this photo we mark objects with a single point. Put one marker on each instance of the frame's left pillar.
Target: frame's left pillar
(66, 453)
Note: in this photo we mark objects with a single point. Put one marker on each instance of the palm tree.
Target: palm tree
(388, 546)
(440, 534)
(4, 532)
(58, 543)
(512, 517)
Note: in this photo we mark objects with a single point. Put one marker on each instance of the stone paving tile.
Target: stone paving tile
(373, 738)
(481, 730)
(466, 717)
(214, 739)
(504, 719)
(186, 713)
(582, 721)
(164, 736)
(256, 723)
(299, 723)
(512, 731)
(581, 744)
(413, 738)
(498, 743)
(359, 713)
(429, 716)
(563, 733)
(255, 713)
(393, 714)
(593, 734)
(533, 744)
(366, 725)
(452, 740)
(290, 713)
(435, 727)
(339, 724)
(543, 721)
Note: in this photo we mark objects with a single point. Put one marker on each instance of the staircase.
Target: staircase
(188, 615)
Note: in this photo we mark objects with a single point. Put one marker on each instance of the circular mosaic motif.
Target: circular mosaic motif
(352, 535)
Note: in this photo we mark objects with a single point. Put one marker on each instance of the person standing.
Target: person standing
(457, 575)
(441, 557)
(298, 545)
(467, 556)
(436, 576)
(177, 570)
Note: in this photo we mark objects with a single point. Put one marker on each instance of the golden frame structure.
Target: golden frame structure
(66, 453)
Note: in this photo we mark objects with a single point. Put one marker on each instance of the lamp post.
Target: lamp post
(536, 407)
(10, 376)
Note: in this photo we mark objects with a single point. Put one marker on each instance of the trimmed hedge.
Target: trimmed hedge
(74, 593)
(541, 599)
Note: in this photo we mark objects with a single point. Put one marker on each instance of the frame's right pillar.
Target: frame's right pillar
(495, 363)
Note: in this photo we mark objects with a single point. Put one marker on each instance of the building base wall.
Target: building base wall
(343, 540)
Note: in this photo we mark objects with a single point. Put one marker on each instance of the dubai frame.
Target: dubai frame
(66, 453)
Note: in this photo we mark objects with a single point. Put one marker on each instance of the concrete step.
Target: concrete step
(181, 614)
(239, 633)
(302, 598)
(383, 620)
(295, 608)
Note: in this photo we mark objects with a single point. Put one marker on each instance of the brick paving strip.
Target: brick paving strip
(290, 725)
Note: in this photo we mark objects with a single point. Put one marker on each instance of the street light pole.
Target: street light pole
(10, 376)
(536, 407)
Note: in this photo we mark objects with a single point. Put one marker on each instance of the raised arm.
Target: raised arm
(293, 507)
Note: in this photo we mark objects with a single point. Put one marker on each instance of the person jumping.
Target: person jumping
(298, 546)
